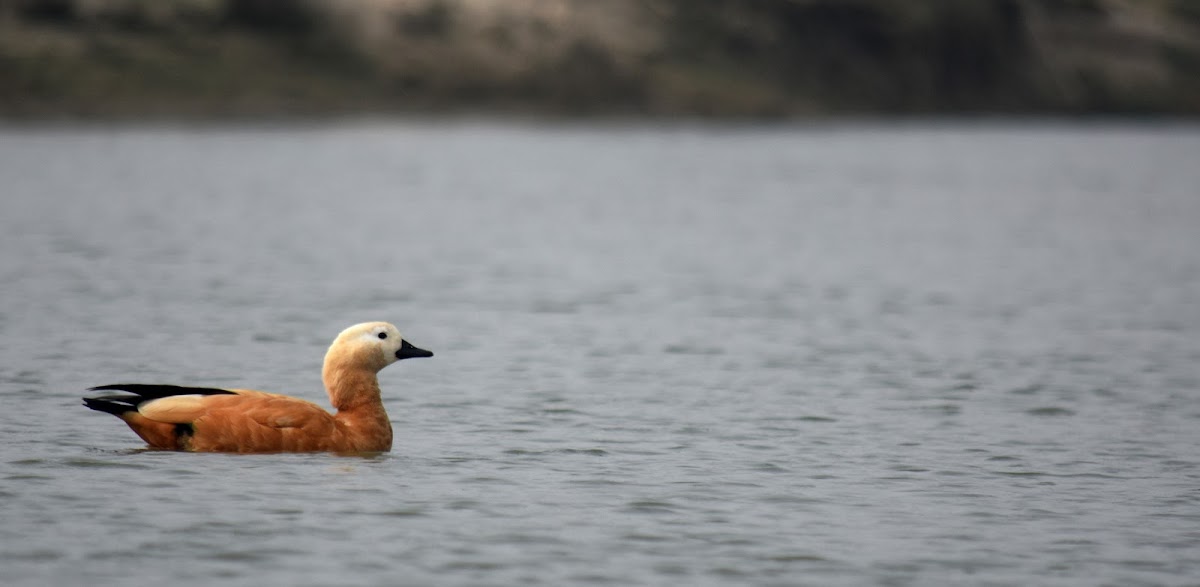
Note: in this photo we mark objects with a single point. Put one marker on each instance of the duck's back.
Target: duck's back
(247, 421)
(222, 420)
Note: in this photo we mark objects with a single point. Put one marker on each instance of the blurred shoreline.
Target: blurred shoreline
(619, 59)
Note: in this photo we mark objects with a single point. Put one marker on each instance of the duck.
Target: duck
(211, 419)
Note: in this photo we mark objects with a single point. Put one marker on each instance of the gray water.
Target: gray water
(843, 354)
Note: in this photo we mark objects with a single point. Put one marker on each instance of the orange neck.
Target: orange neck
(355, 393)
(351, 388)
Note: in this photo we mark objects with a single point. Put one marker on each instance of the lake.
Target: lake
(845, 353)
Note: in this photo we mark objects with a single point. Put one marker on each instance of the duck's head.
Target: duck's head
(370, 345)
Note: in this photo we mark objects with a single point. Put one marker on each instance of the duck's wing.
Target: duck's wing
(248, 421)
(205, 418)
(267, 409)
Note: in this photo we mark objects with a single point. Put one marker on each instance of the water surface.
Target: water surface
(846, 354)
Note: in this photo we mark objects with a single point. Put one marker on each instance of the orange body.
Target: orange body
(254, 421)
(242, 420)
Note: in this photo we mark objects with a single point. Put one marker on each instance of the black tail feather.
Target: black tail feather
(119, 404)
(152, 391)
(115, 405)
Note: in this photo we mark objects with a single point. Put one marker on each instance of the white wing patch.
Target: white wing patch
(178, 409)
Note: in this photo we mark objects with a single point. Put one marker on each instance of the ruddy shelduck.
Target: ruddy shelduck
(208, 419)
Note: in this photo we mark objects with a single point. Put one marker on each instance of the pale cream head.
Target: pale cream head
(370, 345)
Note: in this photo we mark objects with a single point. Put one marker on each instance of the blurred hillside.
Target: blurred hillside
(642, 57)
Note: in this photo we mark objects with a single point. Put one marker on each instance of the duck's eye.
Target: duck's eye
(382, 335)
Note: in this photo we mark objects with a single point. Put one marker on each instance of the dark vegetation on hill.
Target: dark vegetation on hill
(620, 57)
